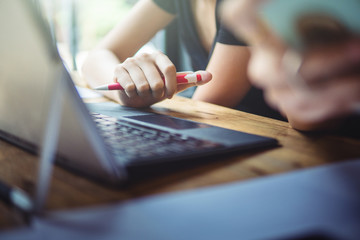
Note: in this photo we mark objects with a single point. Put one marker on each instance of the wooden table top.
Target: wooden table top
(296, 151)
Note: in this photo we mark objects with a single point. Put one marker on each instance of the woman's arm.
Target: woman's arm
(136, 29)
(112, 60)
(228, 65)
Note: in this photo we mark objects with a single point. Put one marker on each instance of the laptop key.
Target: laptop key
(130, 142)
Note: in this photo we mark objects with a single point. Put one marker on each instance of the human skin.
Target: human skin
(115, 59)
(324, 89)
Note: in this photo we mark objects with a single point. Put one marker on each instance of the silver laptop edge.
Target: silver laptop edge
(29, 71)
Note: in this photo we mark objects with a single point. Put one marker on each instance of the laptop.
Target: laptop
(106, 141)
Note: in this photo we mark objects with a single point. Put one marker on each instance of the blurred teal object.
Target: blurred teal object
(282, 16)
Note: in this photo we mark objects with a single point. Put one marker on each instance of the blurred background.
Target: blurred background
(78, 25)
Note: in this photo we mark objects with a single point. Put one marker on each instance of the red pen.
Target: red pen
(180, 78)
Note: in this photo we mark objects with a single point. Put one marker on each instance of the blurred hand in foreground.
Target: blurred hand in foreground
(315, 88)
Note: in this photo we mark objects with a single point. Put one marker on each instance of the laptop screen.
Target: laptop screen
(27, 63)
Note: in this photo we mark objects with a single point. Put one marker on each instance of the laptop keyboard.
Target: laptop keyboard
(129, 141)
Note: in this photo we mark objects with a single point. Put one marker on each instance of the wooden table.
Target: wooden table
(297, 151)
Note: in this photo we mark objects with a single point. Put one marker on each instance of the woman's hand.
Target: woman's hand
(115, 59)
(149, 78)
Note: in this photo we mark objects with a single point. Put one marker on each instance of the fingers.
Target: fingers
(334, 61)
(331, 74)
(153, 80)
(309, 109)
(168, 70)
(242, 18)
(121, 75)
(264, 68)
(141, 76)
(150, 78)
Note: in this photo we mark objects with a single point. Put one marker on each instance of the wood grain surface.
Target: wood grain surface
(296, 151)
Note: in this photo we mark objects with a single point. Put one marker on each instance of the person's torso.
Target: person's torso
(199, 39)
